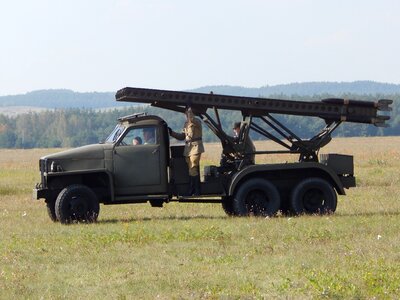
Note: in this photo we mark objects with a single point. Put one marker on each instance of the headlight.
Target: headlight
(55, 167)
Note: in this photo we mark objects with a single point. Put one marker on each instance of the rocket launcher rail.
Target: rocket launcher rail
(331, 110)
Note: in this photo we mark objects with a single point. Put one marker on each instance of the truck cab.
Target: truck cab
(146, 167)
(135, 164)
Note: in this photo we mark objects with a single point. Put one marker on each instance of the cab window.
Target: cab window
(140, 136)
(113, 137)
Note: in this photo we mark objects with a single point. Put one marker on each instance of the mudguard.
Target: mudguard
(85, 172)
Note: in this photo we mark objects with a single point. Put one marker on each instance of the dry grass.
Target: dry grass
(196, 251)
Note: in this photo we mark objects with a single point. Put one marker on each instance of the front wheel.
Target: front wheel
(258, 197)
(313, 196)
(51, 209)
(227, 205)
(77, 203)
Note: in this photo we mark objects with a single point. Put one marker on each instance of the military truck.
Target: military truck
(137, 163)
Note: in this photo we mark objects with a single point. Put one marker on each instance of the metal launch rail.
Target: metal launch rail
(333, 110)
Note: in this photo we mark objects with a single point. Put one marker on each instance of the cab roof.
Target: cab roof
(141, 117)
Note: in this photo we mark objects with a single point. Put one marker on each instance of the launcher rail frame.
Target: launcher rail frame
(334, 111)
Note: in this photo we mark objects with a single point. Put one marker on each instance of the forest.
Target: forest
(72, 127)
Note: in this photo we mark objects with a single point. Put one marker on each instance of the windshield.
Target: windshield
(115, 134)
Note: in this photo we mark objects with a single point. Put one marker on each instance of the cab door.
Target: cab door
(139, 163)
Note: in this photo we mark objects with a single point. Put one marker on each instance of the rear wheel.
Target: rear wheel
(77, 203)
(258, 197)
(313, 196)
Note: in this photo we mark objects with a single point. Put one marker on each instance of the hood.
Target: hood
(95, 151)
(91, 157)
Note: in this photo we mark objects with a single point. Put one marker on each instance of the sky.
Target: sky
(104, 45)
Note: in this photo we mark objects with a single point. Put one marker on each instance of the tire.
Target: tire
(77, 203)
(313, 196)
(51, 209)
(258, 197)
(227, 205)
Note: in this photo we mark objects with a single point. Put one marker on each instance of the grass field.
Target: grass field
(196, 251)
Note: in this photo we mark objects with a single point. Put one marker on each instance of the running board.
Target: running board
(138, 199)
(159, 199)
(197, 199)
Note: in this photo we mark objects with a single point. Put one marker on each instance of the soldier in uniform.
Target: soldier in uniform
(248, 145)
(149, 136)
(229, 161)
(192, 135)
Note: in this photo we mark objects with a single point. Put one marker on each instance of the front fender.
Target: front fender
(72, 174)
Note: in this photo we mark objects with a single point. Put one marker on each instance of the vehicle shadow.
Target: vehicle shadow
(164, 218)
(368, 214)
(205, 217)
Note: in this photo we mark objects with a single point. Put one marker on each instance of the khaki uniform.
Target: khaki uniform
(192, 134)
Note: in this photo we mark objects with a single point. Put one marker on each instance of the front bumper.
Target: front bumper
(39, 193)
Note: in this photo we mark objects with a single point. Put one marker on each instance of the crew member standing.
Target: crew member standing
(192, 134)
(249, 147)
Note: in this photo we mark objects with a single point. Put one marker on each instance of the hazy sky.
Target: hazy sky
(104, 45)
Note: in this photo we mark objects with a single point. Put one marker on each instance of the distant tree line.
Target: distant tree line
(63, 98)
(76, 127)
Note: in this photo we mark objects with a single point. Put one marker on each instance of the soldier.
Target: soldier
(149, 136)
(248, 146)
(137, 141)
(192, 134)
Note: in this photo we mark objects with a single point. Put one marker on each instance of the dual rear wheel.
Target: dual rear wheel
(313, 196)
(257, 197)
(260, 197)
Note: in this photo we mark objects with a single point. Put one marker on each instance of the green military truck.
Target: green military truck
(137, 164)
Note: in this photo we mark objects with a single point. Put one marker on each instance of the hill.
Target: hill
(70, 99)
(61, 99)
(307, 89)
